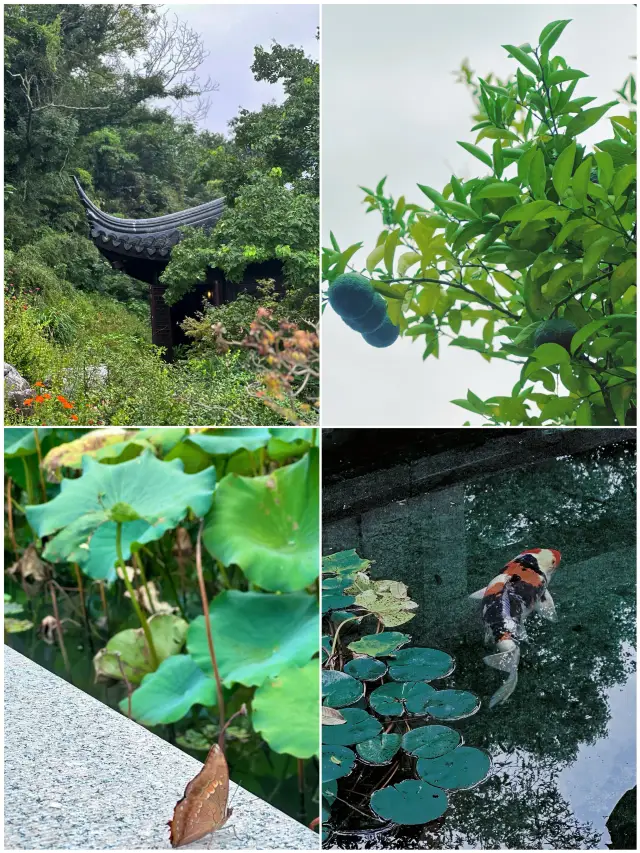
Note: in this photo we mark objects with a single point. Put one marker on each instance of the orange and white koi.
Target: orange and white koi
(519, 590)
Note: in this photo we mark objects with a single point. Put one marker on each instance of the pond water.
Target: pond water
(563, 746)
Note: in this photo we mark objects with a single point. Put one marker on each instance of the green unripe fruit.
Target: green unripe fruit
(556, 331)
(372, 320)
(351, 295)
(384, 335)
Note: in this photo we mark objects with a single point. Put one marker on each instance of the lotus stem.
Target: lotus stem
(338, 629)
(207, 625)
(56, 614)
(12, 534)
(137, 560)
(134, 599)
(29, 482)
(103, 599)
(43, 487)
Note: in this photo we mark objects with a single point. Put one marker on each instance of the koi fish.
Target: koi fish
(520, 589)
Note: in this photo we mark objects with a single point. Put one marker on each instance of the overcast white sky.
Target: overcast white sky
(230, 33)
(390, 106)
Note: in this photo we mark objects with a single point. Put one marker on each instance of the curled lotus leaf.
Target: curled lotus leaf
(380, 749)
(464, 767)
(366, 668)
(337, 762)
(410, 802)
(359, 727)
(331, 716)
(430, 741)
(452, 704)
(379, 645)
(418, 664)
(340, 689)
(344, 563)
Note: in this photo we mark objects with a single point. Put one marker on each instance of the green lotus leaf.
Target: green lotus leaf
(344, 563)
(334, 602)
(430, 741)
(366, 668)
(103, 444)
(269, 526)
(325, 833)
(326, 647)
(379, 645)
(20, 441)
(329, 790)
(379, 750)
(127, 654)
(409, 802)
(338, 616)
(256, 635)
(391, 699)
(418, 664)
(337, 761)
(159, 493)
(227, 440)
(325, 813)
(464, 767)
(359, 726)
(286, 711)
(335, 585)
(418, 697)
(289, 442)
(340, 689)
(169, 693)
(452, 704)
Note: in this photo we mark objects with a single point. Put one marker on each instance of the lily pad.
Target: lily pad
(326, 647)
(418, 697)
(169, 693)
(336, 601)
(410, 802)
(340, 689)
(464, 767)
(379, 645)
(388, 600)
(338, 616)
(336, 585)
(256, 635)
(379, 750)
(430, 741)
(344, 563)
(452, 704)
(359, 727)
(291, 697)
(393, 698)
(129, 648)
(337, 762)
(330, 791)
(417, 664)
(269, 526)
(366, 668)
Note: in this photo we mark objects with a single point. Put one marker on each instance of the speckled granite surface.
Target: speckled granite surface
(78, 775)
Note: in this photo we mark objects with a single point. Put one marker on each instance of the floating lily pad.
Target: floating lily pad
(292, 695)
(336, 584)
(418, 697)
(338, 616)
(410, 802)
(379, 750)
(326, 647)
(269, 525)
(431, 741)
(417, 664)
(359, 727)
(330, 790)
(452, 704)
(337, 761)
(464, 767)
(366, 668)
(344, 563)
(340, 689)
(393, 698)
(169, 693)
(336, 601)
(379, 645)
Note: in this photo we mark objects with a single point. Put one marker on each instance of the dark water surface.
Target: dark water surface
(563, 746)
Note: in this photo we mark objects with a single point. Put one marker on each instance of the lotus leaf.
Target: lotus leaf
(226, 440)
(392, 699)
(256, 635)
(20, 441)
(326, 647)
(359, 726)
(289, 442)
(286, 711)
(366, 668)
(169, 693)
(338, 616)
(340, 689)
(269, 525)
(430, 741)
(409, 802)
(333, 602)
(111, 443)
(337, 761)
(127, 655)
(330, 790)
(417, 664)
(335, 584)
(464, 767)
(331, 716)
(379, 645)
(452, 704)
(344, 563)
(418, 698)
(379, 750)
(388, 600)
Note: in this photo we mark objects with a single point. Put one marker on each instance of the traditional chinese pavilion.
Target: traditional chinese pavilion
(142, 249)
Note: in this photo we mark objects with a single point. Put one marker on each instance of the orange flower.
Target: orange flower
(74, 417)
(65, 403)
(46, 396)
(39, 398)
(39, 384)
(28, 401)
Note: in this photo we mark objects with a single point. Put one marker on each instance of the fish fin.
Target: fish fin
(505, 691)
(546, 608)
(478, 594)
(504, 661)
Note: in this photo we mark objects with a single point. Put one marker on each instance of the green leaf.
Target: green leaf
(523, 58)
(379, 750)
(390, 247)
(359, 726)
(562, 75)
(20, 441)
(431, 741)
(407, 260)
(379, 645)
(420, 664)
(580, 181)
(409, 802)
(563, 169)
(432, 194)
(366, 668)
(595, 253)
(463, 768)
(452, 704)
(502, 189)
(460, 211)
(168, 694)
(224, 442)
(587, 118)
(256, 635)
(374, 257)
(548, 355)
(623, 277)
(345, 563)
(478, 153)
(286, 711)
(623, 178)
(389, 699)
(537, 177)
(337, 762)
(269, 526)
(604, 162)
(339, 689)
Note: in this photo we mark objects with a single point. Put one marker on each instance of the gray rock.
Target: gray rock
(16, 386)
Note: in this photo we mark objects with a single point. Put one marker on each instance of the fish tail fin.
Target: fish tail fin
(504, 691)
(505, 662)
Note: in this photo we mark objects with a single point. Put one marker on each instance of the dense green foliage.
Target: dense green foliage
(111, 94)
(130, 539)
(546, 233)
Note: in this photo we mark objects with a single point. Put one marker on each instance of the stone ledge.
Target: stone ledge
(80, 776)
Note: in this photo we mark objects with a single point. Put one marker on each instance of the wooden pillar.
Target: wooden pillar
(161, 329)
